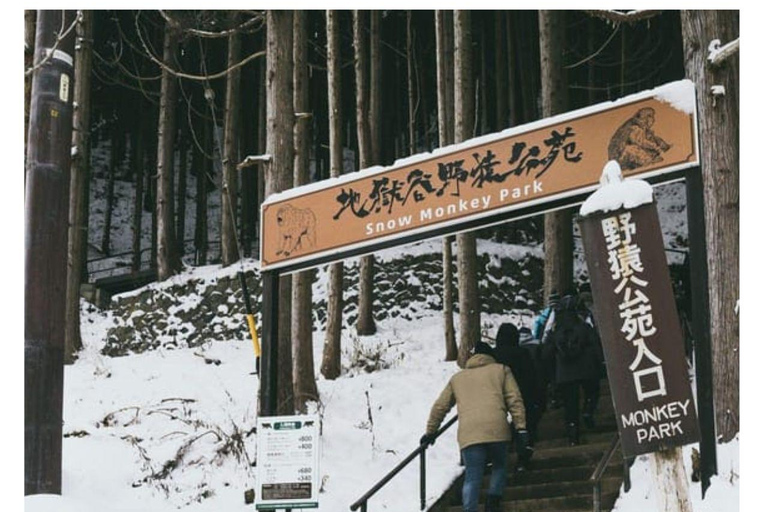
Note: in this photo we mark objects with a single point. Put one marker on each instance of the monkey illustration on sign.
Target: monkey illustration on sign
(296, 228)
(635, 144)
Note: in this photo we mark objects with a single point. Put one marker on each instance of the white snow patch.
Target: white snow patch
(721, 496)
(678, 94)
(717, 90)
(615, 192)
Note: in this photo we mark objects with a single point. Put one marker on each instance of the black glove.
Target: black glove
(522, 441)
(427, 439)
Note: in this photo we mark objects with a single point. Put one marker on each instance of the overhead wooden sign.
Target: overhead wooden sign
(639, 330)
(648, 134)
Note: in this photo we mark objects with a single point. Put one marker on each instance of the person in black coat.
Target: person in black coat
(509, 352)
(573, 347)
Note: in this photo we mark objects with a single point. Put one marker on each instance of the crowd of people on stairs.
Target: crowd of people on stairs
(528, 370)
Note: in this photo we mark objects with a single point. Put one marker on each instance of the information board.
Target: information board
(287, 462)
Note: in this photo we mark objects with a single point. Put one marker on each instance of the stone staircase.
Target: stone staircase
(558, 478)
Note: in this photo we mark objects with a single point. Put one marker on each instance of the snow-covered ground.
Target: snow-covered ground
(173, 429)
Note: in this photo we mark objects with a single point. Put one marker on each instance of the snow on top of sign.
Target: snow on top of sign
(615, 192)
(678, 94)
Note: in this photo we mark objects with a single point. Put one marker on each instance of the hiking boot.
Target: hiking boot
(572, 431)
(493, 504)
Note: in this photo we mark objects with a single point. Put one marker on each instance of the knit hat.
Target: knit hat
(553, 299)
(483, 348)
(507, 335)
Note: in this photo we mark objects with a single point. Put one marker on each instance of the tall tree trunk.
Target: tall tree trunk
(444, 123)
(331, 365)
(202, 170)
(511, 62)
(110, 193)
(558, 226)
(304, 385)
(181, 191)
(280, 119)
(78, 215)
(719, 142)
(365, 323)
(411, 83)
(466, 256)
(261, 134)
(137, 148)
(168, 262)
(229, 252)
(375, 89)
(500, 72)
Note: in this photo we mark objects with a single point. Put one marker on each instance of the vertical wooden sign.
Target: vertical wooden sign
(639, 329)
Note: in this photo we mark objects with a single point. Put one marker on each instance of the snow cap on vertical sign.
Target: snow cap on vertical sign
(615, 192)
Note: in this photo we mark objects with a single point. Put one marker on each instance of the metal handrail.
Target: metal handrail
(597, 476)
(362, 503)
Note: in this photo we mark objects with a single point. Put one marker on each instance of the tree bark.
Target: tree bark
(168, 262)
(78, 215)
(279, 175)
(229, 188)
(201, 205)
(466, 256)
(719, 142)
(110, 194)
(500, 73)
(671, 483)
(375, 120)
(444, 124)
(558, 226)
(181, 189)
(137, 148)
(304, 384)
(411, 83)
(365, 323)
(331, 365)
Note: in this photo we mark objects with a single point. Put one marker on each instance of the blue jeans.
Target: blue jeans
(475, 458)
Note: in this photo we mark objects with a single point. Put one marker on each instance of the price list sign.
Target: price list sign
(287, 462)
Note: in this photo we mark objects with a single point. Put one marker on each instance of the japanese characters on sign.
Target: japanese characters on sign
(639, 330)
(287, 462)
(524, 166)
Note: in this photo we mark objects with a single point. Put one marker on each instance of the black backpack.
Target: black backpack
(567, 337)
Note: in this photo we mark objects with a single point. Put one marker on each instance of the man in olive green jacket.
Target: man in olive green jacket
(483, 392)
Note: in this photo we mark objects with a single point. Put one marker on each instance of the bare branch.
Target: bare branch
(596, 53)
(624, 17)
(49, 53)
(180, 74)
(213, 35)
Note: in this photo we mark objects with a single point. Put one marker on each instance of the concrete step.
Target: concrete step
(555, 488)
(587, 437)
(561, 474)
(556, 430)
(573, 503)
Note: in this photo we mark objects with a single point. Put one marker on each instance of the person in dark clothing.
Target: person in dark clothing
(509, 352)
(574, 348)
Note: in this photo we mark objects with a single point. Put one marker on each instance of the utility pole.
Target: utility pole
(46, 212)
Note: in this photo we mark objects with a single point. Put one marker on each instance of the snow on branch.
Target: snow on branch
(718, 54)
(624, 16)
(252, 160)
